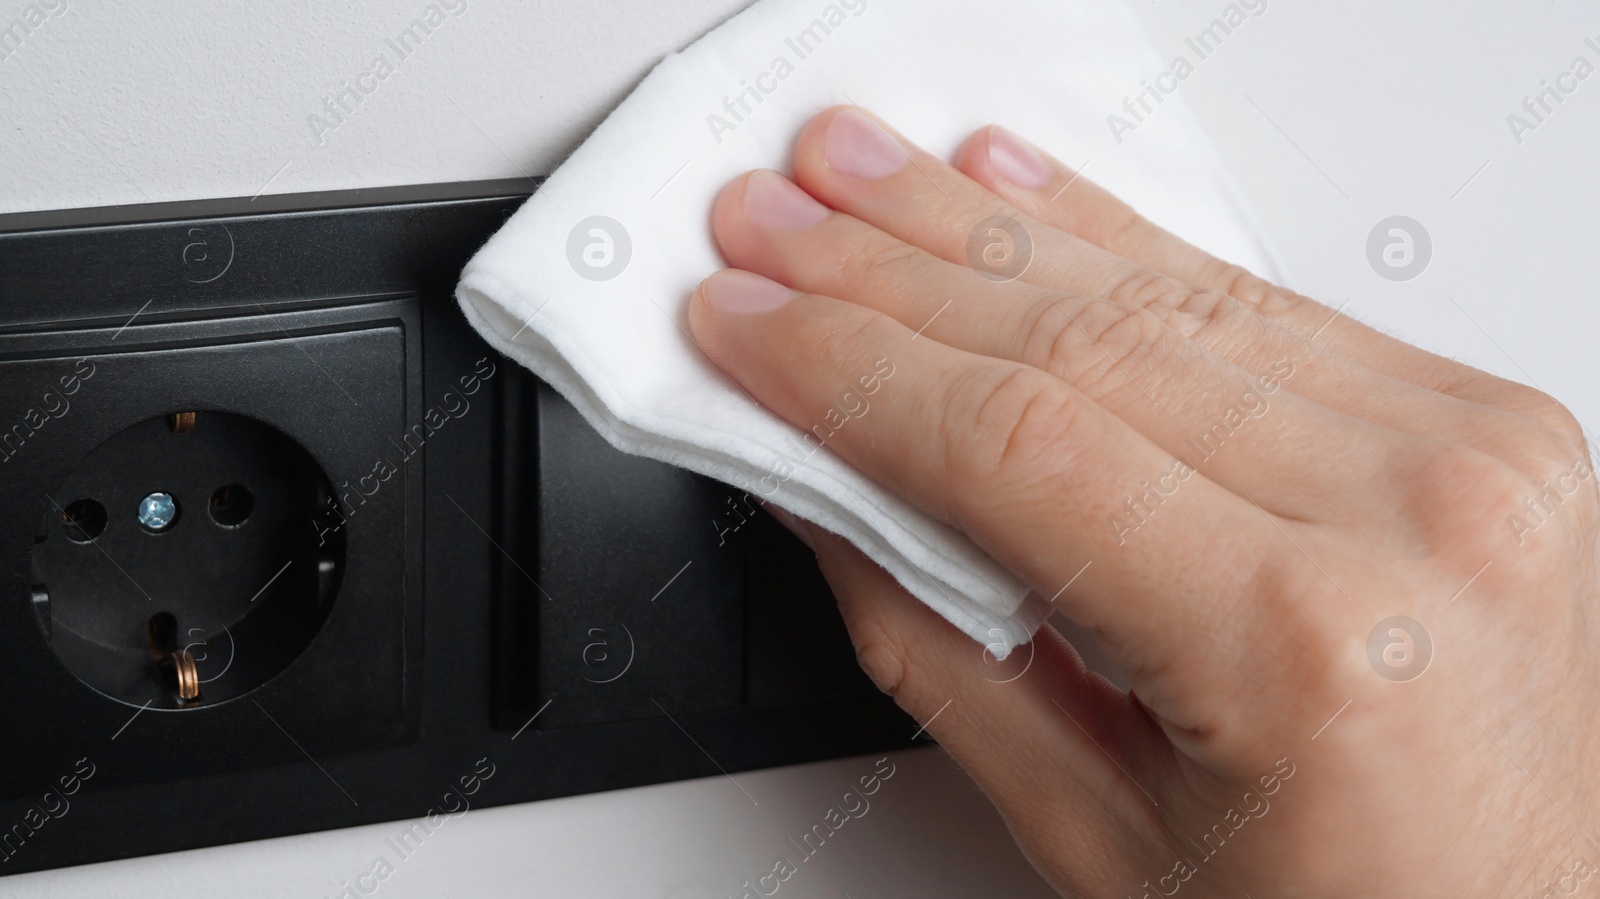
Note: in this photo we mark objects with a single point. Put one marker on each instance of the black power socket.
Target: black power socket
(290, 548)
(195, 508)
(274, 575)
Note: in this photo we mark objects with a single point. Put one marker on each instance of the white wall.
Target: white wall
(118, 102)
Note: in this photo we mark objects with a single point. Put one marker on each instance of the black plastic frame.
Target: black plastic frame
(495, 507)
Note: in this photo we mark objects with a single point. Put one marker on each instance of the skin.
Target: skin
(1261, 749)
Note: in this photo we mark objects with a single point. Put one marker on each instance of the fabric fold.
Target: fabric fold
(588, 283)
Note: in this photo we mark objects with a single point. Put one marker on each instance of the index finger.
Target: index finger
(1128, 540)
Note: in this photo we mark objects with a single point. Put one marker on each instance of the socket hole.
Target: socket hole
(159, 634)
(231, 505)
(84, 519)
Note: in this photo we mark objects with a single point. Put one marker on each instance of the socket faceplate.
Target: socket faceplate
(233, 573)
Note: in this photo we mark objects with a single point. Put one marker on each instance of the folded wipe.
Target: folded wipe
(588, 284)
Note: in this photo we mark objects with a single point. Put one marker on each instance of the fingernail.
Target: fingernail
(1015, 161)
(743, 293)
(857, 147)
(773, 201)
(793, 523)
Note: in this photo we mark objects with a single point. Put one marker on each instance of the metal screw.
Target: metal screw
(157, 511)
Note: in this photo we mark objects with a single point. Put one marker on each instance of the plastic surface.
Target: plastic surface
(494, 547)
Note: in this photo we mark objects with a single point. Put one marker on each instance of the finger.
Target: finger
(1187, 401)
(1042, 478)
(853, 163)
(1043, 188)
(1040, 710)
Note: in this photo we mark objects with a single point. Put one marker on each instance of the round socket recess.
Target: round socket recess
(180, 555)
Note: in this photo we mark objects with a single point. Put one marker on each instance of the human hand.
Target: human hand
(1233, 486)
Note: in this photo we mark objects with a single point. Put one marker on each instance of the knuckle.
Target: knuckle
(1220, 323)
(1293, 626)
(1123, 333)
(1293, 310)
(1209, 304)
(1125, 229)
(1549, 412)
(1562, 421)
(1113, 347)
(873, 260)
(880, 653)
(843, 337)
(1464, 500)
(1484, 511)
(1057, 333)
(1231, 329)
(881, 657)
(1041, 327)
(1142, 288)
(1174, 301)
(1300, 606)
(1542, 452)
(1250, 289)
(1287, 617)
(1000, 423)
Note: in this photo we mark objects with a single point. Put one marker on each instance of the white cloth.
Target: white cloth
(619, 350)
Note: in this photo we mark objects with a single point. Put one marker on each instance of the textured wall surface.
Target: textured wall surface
(108, 103)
